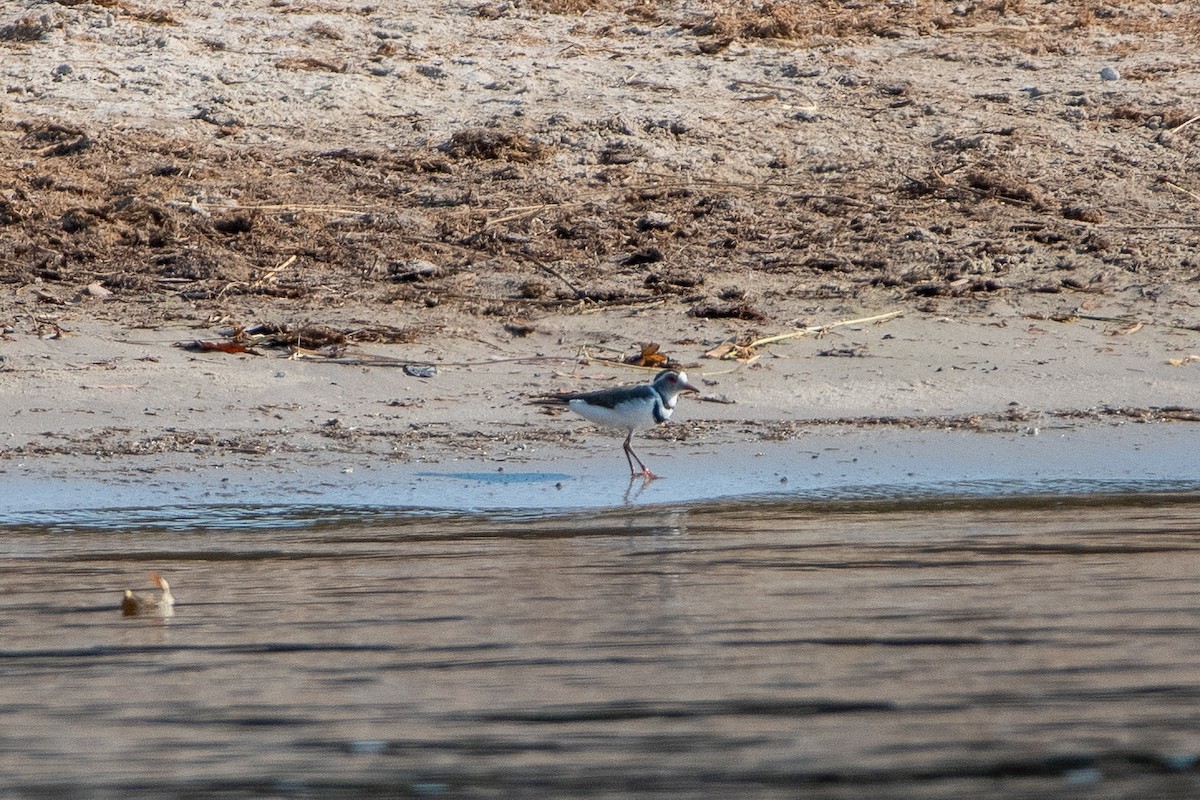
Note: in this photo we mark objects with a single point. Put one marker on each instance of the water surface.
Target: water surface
(937, 646)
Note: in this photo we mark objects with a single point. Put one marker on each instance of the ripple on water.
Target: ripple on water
(942, 644)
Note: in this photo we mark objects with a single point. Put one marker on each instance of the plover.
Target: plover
(630, 408)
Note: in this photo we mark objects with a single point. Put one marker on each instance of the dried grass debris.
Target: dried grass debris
(493, 145)
(27, 29)
(743, 311)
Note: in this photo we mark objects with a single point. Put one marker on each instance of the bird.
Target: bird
(629, 408)
(149, 603)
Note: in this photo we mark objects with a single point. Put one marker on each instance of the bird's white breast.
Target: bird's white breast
(628, 414)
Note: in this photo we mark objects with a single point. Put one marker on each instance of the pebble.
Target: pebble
(1109, 74)
(654, 221)
(796, 71)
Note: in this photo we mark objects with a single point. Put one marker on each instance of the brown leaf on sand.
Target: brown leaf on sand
(649, 356)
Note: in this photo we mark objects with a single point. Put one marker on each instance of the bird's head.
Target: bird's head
(672, 382)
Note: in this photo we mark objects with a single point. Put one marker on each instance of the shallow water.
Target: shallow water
(826, 464)
(947, 646)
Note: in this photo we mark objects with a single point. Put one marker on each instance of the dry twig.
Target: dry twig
(731, 349)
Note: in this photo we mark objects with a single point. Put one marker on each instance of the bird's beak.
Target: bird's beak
(687, 387)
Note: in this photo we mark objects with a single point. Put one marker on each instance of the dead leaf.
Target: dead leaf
(649, 357)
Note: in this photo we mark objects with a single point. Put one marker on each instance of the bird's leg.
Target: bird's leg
(631, 456)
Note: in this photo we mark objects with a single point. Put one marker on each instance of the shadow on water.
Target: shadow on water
(966, 640)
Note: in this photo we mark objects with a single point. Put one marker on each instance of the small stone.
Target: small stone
(654, 221)
(520, 327)
(797, 71)
(1109, 74)
(412, 270)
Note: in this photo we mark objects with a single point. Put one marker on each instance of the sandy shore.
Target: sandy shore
(139, 406)
(137, 392)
